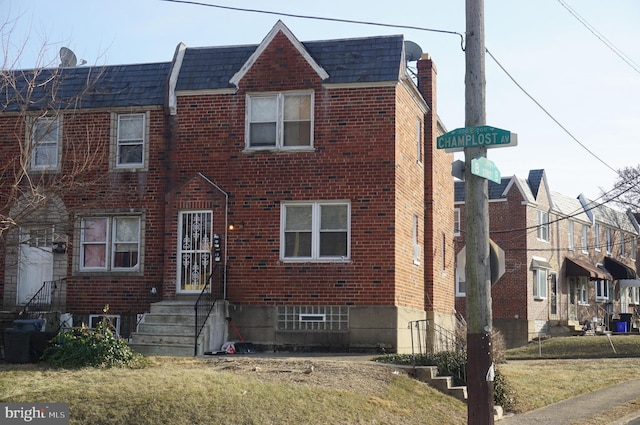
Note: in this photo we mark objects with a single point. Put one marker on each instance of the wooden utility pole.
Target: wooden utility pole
(477, 270)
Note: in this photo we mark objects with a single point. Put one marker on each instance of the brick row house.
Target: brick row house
(570, 263)
(301, 178)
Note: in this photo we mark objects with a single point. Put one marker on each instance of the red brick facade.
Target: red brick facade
(365, 152)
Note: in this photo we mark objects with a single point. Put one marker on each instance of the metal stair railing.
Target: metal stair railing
(48, 299)
(430, 338)
(212, 291)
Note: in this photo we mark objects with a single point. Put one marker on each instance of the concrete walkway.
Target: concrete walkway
(581, 407)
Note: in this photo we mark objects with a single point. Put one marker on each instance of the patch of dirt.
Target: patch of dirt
(357, 375)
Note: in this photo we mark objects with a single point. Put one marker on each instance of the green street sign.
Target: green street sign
(482, 167)
(480, 136)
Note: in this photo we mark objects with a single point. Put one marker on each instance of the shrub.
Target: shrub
(503, 393)
(99, 347)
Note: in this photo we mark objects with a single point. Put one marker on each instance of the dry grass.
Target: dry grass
(240, 390)
(259, 390)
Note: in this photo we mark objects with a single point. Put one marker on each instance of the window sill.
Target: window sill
(539, 298)
(583, 304)
(274, 149)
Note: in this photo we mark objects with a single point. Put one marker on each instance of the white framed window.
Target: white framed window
(456, 222)
(461, 285)
(632, 250)
(543, 225)
(316, 231)
(634, 295)
(419, 140)
(539, 284)
(45, 143)
(596, 234)
(583, 290)
(130, 140)
(571, 235)
(417, 249)
(607, 235)
(113, 319)
(623, 251)
(602, 290)
(110, 243)
(279, 120)
(585, 245)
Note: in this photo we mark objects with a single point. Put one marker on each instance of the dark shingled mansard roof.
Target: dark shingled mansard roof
(87, 87)
(356, 60)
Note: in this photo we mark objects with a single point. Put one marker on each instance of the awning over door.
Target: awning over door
(618, 270)
(576, 267)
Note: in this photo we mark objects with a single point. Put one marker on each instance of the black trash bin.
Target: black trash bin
(17, 340)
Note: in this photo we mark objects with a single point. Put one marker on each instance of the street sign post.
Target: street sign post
(479, 136)
(485, 168)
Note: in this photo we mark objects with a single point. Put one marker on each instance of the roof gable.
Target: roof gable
(279, 27)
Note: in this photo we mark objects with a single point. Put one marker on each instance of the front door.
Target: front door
(573, 299)
(35, 263)
(553, 281)
(194, 250)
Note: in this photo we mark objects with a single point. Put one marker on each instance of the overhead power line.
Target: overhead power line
(350, 21)
(602, 38)
(320, 18)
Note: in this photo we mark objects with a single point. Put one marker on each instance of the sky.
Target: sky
(580, 127)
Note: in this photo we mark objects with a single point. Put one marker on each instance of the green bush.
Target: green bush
(503, 393)
(454, 364)
(99, 347)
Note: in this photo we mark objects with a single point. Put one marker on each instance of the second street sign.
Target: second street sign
(480, 136)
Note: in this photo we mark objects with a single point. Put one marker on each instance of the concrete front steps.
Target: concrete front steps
(168, 330)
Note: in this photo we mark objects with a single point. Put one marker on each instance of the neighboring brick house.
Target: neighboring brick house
(559, 274)
(319, 155)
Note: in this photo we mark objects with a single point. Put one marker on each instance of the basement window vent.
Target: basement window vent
(312, 317)
(114, 320)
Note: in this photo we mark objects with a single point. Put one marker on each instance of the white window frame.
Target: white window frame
(571, 236)
(456, 222)
(280, 121)
(95, 319)
(543, 226)
(585, 244)
(109, 243)
(596, 233)
(583, 290)
(461, 285)
(417, 249)
(540, 284)
(53, 143)
(634, 295)
(316, 231)
(602, 290)
(122, 142)
(607, 234)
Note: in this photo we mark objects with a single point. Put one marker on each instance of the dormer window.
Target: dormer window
(279, 121)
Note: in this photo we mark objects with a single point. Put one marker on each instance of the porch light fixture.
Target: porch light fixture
(235, 226)
(59, 247)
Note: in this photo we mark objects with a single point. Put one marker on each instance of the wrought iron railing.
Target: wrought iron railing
(213, 290)
(47, 303)
(430, 338)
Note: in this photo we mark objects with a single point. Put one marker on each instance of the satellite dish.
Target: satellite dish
(67, 58)
(412, 52)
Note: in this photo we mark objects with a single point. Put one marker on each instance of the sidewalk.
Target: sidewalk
(581, 407)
